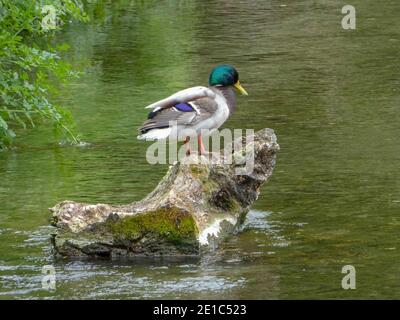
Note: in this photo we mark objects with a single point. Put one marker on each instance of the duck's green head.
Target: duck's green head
(226, 75)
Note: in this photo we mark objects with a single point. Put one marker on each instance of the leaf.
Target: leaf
(3, 124)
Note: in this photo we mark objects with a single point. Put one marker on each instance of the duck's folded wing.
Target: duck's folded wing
(167, 117)
(182, 96)
(181, 114)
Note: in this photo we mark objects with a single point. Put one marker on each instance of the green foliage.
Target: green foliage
(31, 67)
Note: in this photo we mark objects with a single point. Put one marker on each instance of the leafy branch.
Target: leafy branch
(31, 68)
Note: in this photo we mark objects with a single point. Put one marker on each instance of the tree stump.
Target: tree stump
(193, 208)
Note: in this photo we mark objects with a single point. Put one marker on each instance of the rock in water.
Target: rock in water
(197, 203)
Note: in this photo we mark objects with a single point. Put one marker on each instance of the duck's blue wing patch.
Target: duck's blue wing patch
(183, 107)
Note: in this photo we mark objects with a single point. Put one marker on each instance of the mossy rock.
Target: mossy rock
(170, 224)
(198, 203)
(161, 232)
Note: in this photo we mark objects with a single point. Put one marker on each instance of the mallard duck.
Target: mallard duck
(194, 109)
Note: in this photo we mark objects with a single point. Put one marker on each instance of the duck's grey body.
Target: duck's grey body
(189, 113)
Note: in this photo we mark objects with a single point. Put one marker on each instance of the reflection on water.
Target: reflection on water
(331, 95)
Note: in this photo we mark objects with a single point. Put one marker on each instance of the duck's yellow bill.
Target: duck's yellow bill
(238, 86)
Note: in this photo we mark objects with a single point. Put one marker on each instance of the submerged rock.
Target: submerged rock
(194, 206)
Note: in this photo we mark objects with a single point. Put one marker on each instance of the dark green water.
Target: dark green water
(332, 97)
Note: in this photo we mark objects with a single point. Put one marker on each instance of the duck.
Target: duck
(194, 112)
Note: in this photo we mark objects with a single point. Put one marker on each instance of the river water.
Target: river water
(331, 95)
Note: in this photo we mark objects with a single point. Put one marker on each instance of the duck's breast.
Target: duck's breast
(212, 113)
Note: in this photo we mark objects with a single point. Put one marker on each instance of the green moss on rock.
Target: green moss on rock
(169, 224)
(198, 170)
